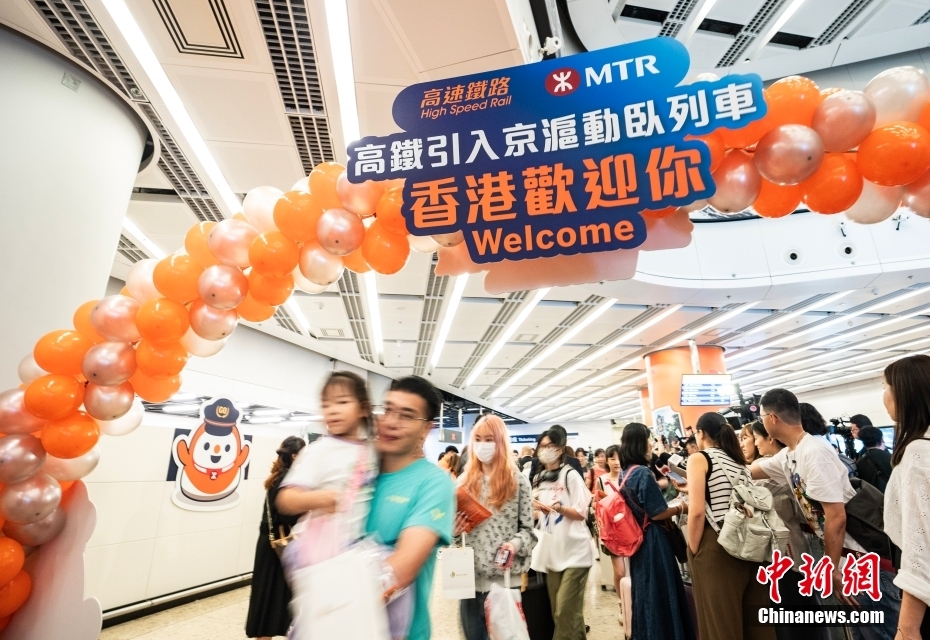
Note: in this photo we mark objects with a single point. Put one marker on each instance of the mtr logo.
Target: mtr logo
(566, 80)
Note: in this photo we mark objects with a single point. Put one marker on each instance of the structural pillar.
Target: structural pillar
(664, 370)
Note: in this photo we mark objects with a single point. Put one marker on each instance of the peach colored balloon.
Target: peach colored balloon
(789, 154)
(917, 196)
(258, 207)
(306, 285)
(197, 346)
(222, 286)
(109, 363)
(875, 203)
(697, 205)
(108, 402)
(318, 265)
(738, 183)
(360, 199)
(114, 318)
(843, 120)
(898, 94)
(450, 239)
(13, 415)
(210, 323)
(423, 244)
(28, 370)
(140, 283)
(126, 424)
(302, 185)
(340, 232)
(229, 241)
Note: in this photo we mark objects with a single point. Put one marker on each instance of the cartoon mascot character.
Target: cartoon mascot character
(211, 459)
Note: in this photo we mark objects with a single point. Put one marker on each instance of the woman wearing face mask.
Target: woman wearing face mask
(493, 478)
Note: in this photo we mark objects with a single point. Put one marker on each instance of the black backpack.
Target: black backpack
(881, 481)
(865, 521)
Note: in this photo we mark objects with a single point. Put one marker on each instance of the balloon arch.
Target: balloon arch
(864, 153)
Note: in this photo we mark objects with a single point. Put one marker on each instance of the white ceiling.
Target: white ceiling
(235, 100)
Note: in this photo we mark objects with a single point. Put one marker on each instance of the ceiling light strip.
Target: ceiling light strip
(507, 333)
(707, 326)
(629, 364)
(135, 234)
(794, 314)
(340, 43)
(374, 314)
(457, 290)
(297, 313)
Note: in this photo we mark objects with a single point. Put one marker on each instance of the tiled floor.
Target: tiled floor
(222, 617)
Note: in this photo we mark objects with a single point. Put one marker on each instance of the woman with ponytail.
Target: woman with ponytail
(720, 580)
(268, 612)
(492, 477)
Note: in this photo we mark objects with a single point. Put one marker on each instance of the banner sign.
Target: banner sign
(556, 157)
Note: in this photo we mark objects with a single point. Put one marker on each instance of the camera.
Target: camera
(841, 427)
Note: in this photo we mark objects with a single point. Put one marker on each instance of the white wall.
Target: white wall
(863, 397)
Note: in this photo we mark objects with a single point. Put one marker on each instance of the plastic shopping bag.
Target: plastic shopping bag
(503, 612)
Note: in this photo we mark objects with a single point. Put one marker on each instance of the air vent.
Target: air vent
(677, 18)
(526, 337)
(751, 31)
(284, 320)
(432, 304)
(128, 249)
(286, 28)
(510, 306)
(332, 333)
(925, 18)
(844, 20)
(352, 299)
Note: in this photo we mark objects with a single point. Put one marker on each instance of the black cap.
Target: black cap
(220, 417)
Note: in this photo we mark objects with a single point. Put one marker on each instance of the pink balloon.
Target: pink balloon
(229, 242)
(843, 120)
(21, 455)
(70, 469)
(197, 346)
(318, 265)
(210, 323)
(789, 154)
(140, 283)
(360, 199)
(697, 205)
(127, 424)
(450, 239)
(340, 232)
(898, 94)
(114, 318)
(876, 203)
(258, 207)
(222, 286)
(917, 196)
(109, 363)
(108, 402)
(423, 244)
(37, 533)
(305, 285)
(13, 415)
(30, 500)
(738, 183)
(28, 370)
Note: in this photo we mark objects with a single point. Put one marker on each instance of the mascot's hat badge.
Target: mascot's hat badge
(220, 417)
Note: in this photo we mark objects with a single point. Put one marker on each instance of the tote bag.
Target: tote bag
(458, 572)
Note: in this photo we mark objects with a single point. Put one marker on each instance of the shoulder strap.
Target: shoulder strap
(268, 516)
(627, 475)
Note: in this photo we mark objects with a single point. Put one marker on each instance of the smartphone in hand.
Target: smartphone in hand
(503, 557)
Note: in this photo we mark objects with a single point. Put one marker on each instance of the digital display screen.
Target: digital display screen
(706, 390)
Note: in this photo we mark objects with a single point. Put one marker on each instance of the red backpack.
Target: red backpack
(620, 532)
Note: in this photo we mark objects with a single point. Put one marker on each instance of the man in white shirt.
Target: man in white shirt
(821, 485)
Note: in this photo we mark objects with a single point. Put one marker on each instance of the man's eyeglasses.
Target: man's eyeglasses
(381, 412)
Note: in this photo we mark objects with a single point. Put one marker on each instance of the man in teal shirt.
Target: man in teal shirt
(413, 506)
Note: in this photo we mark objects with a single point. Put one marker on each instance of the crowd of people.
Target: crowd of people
(552, 512)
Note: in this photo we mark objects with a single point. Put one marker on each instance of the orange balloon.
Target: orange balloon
(388, 211)
(240, 216)
(4, 622)
(793, 100)
(893, 154)
(71, 436)
(162, 320)
(125, 292)
(270, 290)
(153, 389)
(924, 118)
(385, 251)
(273, 254)
(656, 214)
(160, 361)
(15, 593)
(776, 201)
(254, 311)
(176, 277)
(355, 261)
(835, 186)
(65, 485)
(323, 184)
(296, 214)
(716, 144)
(11, 559)
(61, 351)
(195, 243)
(53, 396)
(81, 321)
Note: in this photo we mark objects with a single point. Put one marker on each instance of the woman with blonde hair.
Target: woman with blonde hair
(492, 477)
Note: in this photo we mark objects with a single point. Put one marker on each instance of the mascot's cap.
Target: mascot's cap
(220, 417)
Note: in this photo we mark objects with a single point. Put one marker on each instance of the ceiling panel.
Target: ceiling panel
(247, 166)
(400, 319)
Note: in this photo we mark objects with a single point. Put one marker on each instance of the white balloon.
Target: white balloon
(140, 283)
(126, 424)
(423, 244)
(258, 207)
(28, 370)
(305, 285)
(197, 346)
(707, 76)
(72, 468)
(302, 185)
(876, 203)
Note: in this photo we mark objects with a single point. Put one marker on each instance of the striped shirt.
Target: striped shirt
(719, 487)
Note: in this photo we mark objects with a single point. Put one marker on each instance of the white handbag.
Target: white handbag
(540, 558)
(458, 572)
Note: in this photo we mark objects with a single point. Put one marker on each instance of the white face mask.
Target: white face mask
(548, 456)
(484, 451)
